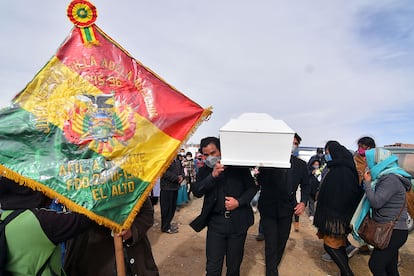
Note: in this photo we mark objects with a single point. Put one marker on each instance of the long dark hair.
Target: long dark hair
(339, 194)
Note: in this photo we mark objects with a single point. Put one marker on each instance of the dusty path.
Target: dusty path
(183, 253)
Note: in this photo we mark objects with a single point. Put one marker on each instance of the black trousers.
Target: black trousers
(340, 258)
(168, 204)
(223, 241)
(385, 262)
(276, 233)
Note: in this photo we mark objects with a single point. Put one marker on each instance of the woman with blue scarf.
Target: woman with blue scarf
(385, 187)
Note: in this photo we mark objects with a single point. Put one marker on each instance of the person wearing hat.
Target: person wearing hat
(33, 237)
(319, 156)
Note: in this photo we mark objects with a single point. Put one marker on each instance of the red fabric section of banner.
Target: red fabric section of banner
(112, 70)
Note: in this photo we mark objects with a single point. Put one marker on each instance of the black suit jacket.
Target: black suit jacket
(278, 188)
(234, 181)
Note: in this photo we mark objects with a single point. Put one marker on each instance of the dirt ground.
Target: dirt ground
(183, 253)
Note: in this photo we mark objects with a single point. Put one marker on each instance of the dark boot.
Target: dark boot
(340, 258)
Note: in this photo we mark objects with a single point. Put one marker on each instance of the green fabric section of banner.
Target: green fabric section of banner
(41, 154)
(87, 32)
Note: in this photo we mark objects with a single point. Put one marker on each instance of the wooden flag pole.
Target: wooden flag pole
(119, 256)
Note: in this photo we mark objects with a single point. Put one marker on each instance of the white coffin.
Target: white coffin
(256, 139)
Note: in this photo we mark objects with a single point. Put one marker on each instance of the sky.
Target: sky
(330, 69)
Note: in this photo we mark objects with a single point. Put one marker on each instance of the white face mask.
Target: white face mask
(189, 158)
(211, 161)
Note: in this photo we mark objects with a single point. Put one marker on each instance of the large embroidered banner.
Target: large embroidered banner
(95, 127)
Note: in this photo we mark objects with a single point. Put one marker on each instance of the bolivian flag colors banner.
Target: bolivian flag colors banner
(95, 128)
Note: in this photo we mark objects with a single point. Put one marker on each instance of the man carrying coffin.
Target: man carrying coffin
(277, 204)
(226, 210)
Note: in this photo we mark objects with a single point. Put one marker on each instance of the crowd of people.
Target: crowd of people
(332, 184)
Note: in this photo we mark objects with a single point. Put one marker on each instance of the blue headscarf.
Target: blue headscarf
(380, 162)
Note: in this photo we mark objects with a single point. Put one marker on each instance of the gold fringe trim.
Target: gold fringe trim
(130, 219)
(205, 115)
(34, 185)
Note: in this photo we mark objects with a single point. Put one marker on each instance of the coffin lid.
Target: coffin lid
(256, 122)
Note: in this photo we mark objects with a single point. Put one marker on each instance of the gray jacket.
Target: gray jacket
(388, 198)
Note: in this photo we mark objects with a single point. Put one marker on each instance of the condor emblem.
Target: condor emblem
(99, 122)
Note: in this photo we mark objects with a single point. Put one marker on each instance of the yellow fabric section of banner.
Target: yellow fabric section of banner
(56, 90)
(51, 90)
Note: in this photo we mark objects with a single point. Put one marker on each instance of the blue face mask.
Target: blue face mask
(328, 157)
(295, 150)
